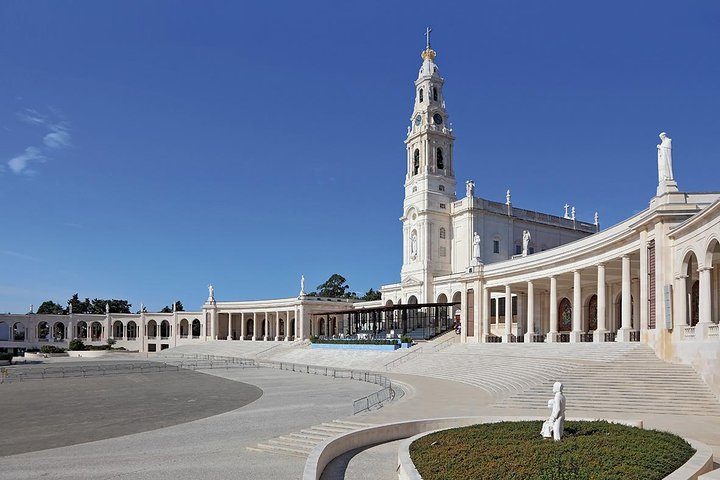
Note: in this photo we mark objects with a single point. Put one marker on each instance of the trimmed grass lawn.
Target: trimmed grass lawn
(515, 450)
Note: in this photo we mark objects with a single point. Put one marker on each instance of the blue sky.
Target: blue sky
(149, 148)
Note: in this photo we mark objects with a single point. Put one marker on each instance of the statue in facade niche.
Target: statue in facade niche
(469, 188)
(476, 248)
(554, 427)
(665, 171)
(413, 246)
(526, 242)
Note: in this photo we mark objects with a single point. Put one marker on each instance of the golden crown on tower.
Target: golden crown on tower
(428, 54)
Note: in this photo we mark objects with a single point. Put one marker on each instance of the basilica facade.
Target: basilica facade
(508, 274)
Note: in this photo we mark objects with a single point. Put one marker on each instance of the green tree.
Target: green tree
(334, 287)
(97, 306)
(178, 307)
(51, 308)
(79, 306)
(371, 294)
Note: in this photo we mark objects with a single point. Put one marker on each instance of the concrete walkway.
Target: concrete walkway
(209, 448)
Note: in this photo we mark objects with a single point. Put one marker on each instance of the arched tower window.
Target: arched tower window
(435, 93)
(443, 234)
(420, 94)
(439, 159)
(416, 162)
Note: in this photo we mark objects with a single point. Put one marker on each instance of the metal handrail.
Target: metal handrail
(403, 358)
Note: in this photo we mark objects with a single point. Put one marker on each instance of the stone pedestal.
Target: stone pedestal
(575, 337)
(529, 337)
(507, 338)
(623, 335)
(599, 336)
(551, 337)
(667, 186)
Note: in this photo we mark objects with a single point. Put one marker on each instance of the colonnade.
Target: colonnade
(258, 325)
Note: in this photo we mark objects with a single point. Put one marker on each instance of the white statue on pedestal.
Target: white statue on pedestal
(469, 188)
(554, 427)
(526, 242)
(665, 171)
(476, 249)
(302, 285)
(572, 213)
(211, 293)
(507, 198)
(107, 308)
(413, 246)
(567, 215)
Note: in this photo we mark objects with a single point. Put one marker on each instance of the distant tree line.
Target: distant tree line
(95, 306)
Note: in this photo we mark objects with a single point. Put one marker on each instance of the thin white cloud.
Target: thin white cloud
(21, 163)
(22, 256)
(57, 138)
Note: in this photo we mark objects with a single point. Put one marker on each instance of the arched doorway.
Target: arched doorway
(4, 331)
(152, 329)
(695, 303)
(43, 331)
(95, 331)
(282, 328)
(59, 331)
(249, 327)
(564, 316)
(19, 332)
(196, 328)
(118, 329)
(82, 330)
(131, 330)
(184, 328)
(164, 329)
(321, 327)
(592, 314)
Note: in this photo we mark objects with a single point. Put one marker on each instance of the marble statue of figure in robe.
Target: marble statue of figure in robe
(302, 284)
(526, 242)
(413, 246)
(665, 171)
(476, 247)
(554, 427)
(211, 292)
(469, 188)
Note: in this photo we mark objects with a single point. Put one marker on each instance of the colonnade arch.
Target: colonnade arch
(59, 331)
(4, 331)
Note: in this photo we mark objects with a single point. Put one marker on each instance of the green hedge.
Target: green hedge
(516, 450)
(51, 349)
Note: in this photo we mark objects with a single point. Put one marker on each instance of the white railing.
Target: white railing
(714, 331)
(688, 332)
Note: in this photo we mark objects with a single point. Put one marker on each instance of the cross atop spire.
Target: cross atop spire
(427, 37)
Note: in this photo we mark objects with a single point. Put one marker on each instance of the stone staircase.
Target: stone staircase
(300, 444)
(614, 377)
(233, 348)
(635, 382)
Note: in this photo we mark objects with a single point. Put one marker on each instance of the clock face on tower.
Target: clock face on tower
(418, 120)
(437, 118)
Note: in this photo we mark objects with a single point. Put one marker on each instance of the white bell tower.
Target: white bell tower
(429, 183)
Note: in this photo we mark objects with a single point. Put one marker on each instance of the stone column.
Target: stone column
(507, 337)
(485, 314)
(497, 312)
(477, 300)
(644, 281)
(623, 334)
(530, 312)
(552, 334)
(520, 332)
(635, 292)
(463, 314)
(277, 326)
(705, 300)
(243, 327)
(576, 308)
(266, 324)
(255, 327)
(229, 335)
(681, 311)
(599, 334)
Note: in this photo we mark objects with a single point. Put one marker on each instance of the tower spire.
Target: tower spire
(427, 37)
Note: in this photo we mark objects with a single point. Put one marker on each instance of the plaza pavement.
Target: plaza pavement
(209, 448)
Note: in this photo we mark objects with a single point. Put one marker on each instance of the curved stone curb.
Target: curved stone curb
(325, 452)
(701, 462)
